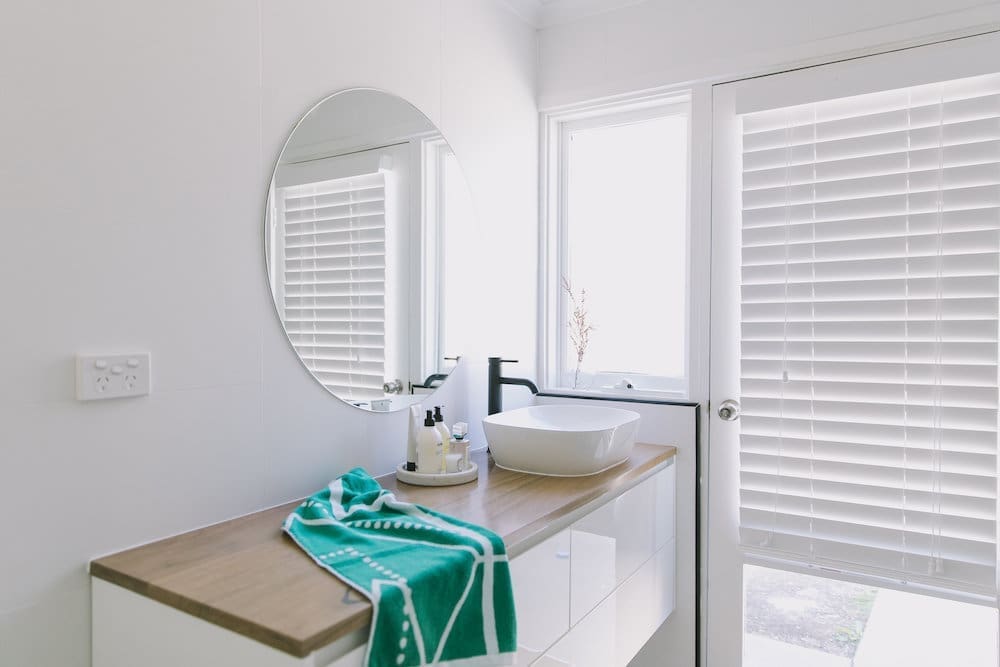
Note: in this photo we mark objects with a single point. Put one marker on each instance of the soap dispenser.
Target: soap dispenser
(429, 455)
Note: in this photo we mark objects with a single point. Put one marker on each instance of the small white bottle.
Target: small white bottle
(459, 443)
(429, 458)
(445, 436)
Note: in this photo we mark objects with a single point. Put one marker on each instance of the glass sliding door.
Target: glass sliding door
(853, 441)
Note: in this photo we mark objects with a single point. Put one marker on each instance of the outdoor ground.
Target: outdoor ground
(797, 620)
(811, 612)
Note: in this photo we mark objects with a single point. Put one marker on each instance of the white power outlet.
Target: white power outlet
(100, 376)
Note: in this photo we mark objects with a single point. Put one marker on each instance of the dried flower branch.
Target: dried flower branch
(579, 326)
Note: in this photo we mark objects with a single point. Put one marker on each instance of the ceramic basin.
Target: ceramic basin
(562, 440)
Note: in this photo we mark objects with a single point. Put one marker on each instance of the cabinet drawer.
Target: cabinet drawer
(613, 633)
(612, 542)
(541, 595)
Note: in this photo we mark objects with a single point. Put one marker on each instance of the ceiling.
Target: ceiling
(546, 13)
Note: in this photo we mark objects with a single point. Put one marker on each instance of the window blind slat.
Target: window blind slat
(883, 247)
(872, 392)
(921, 352)
(870, 301)
(353, 184)
(934, 546)
(359, 288)
(344, 225)
(902, 162)
(960, 287)
(365, 257)
(806, 127)
(356, 236)
(947, 266)
(967, 463)
(330, 277)
(345, 301)
(868, 516)
(872, 228)
(860, 558)
(875, 495)
(320, 237)
(334, 281)
(360, 209)
(956, 308)
(320, 341)
(972, 131)
(908, 414)
(986, 196)
(967, 439)
(859, 187)
(916, 374)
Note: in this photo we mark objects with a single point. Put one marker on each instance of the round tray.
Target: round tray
(437, 479)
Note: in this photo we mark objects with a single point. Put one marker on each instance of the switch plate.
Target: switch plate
(101, 376)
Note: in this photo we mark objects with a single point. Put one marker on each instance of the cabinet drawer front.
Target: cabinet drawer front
(613, 633)
(611, 543)
(541, 595)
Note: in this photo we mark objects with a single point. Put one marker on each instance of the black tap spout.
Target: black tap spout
(430, 382)
(496, 382)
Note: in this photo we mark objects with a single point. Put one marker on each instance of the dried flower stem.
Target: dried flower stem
(579, 326)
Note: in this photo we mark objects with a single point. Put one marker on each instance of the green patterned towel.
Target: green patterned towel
(440, 587)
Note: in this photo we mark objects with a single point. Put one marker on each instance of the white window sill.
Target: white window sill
(618, 395)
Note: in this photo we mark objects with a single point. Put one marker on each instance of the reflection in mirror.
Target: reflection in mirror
(368, 213)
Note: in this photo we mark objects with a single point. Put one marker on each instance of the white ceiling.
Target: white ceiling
(545, 13)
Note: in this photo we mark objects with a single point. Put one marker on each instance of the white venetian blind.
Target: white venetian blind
(869, 307)
(334, 280)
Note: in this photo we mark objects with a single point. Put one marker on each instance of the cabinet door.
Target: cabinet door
(541, 595)
(612, 634)
(612, 542)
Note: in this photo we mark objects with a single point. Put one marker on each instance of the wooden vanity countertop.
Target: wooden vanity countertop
(247, 576)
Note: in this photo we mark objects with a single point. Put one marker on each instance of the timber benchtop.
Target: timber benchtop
(247, 576)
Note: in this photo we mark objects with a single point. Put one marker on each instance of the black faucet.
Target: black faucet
(494, 403)
(429, 383)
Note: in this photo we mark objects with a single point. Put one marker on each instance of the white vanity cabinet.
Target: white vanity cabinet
(597, 591)
(593, 574)
(131, 630)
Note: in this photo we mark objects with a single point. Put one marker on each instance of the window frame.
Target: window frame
(556, 127)
(433, 151)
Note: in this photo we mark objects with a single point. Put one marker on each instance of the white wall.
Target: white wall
(665, 42)
(137, 142)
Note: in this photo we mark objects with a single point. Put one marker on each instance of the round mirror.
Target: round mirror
(366, 209)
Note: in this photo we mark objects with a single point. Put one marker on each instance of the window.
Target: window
(617, 249)
(869, 305)
(333, 293)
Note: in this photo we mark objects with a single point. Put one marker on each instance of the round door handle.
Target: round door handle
(729, 410)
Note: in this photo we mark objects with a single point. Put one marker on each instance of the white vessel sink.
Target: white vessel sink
(562, 440)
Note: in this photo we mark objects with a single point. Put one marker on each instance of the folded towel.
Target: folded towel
(440, 587)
